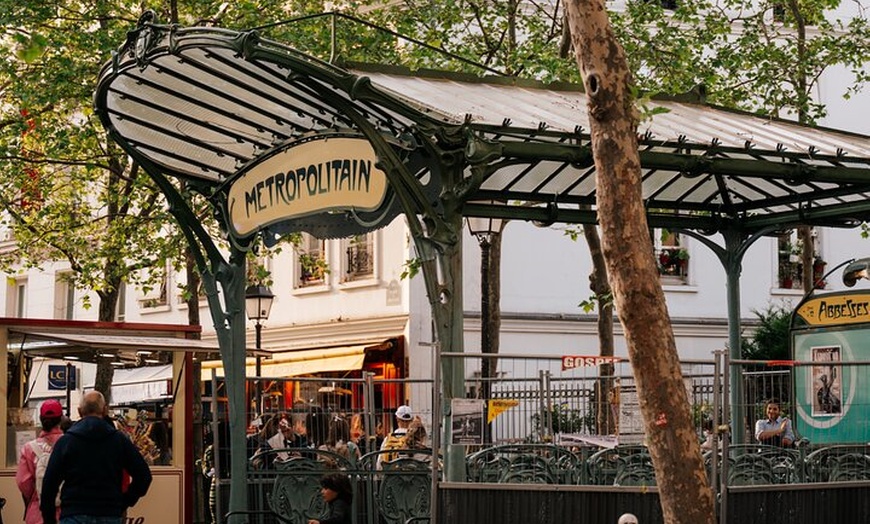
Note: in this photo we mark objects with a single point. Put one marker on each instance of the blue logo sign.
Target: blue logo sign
(57, 377)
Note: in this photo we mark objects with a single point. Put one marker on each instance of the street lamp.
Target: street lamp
(485, 229)
(258, 304)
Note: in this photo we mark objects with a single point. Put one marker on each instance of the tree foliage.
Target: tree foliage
(762, 56)
(68, 193)
(770, 339)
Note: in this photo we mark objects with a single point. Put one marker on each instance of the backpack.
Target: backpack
(42, 450)
(394, 442)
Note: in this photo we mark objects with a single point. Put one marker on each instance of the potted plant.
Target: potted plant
(673, 261)
(664, 257)
(313, 267)
(682, 256)
(818, 267)
(786, 275)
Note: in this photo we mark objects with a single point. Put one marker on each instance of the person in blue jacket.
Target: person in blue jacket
(87, 466)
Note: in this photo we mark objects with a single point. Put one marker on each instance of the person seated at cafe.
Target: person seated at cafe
(291, 433)
(775, 429)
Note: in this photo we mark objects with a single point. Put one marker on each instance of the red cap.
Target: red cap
(50, 409)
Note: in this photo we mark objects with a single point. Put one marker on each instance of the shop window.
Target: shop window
(672, 255)
(359, 257)
(311, 265)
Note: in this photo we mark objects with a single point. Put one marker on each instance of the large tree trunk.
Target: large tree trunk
(673, 444)
(605, 421)
(106, 313)
(805, 234)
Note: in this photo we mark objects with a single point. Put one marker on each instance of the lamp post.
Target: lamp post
(258, 304)
(486, 229)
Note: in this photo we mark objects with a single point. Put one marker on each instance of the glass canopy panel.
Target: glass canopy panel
(192, 124)
(180, 156)
(561, 181)
(219, 86)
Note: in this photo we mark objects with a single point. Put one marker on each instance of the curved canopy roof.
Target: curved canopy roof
(203, 103)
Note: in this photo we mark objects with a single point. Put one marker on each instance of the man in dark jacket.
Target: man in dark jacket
(90, 460)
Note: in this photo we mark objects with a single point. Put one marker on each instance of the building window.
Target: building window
(783, 15)
(669, 5)
(156, 296)
(16, 295)
(672, 255)
(311, 265)
(64, 296)
(121, 306)
(789, 254)
(359, 257)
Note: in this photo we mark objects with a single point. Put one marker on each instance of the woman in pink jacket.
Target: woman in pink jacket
(31, 465)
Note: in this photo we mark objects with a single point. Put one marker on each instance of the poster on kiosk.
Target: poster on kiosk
(831, 351)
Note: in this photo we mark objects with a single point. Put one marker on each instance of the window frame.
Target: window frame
(370, 249)
(672, 256)
(311, 263)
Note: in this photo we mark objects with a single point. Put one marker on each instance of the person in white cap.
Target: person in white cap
(627, 518)
(396, 439)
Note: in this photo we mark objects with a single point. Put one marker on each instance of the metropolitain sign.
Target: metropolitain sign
(318, 175)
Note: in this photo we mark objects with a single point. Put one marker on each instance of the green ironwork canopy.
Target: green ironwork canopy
(202, 103)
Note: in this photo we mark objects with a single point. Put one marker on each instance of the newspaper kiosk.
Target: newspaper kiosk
(831, 349)
(49, 358)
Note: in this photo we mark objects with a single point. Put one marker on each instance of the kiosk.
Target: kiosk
(36, 351)
(831, 349)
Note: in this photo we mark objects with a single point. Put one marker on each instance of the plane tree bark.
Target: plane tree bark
(638, 296)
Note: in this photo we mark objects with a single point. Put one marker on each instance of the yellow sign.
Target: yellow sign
(499, 406)
(324, 174)
(830, 310)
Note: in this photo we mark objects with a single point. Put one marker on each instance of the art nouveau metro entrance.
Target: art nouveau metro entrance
(249, 124)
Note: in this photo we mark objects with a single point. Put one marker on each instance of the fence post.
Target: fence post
(546, 412)
(369, 434)
(726, 437)
(717, 421)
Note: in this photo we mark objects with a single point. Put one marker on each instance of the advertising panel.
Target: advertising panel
(832, 400)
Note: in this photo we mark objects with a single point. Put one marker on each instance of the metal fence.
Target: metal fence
(542, 422)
